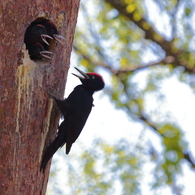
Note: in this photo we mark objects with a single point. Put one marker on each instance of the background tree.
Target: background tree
(138, 45)
(27, 120)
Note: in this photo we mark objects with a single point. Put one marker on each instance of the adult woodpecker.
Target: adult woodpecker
(37, 51)
(52, 31)
(75, 109)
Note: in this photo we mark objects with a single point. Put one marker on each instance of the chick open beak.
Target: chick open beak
(59, 38)
(46, 54)
(43, 36)
(85, 76)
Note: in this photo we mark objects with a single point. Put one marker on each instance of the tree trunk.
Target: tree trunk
(28, 117)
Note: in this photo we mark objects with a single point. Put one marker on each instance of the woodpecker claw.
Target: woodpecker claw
(80, 77)
(43, 36)
(59, 38)
(50, 94)
(44, 54)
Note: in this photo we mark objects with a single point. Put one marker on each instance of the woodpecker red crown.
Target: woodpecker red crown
(96, 75)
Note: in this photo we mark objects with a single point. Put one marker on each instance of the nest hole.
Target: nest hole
(38, 49)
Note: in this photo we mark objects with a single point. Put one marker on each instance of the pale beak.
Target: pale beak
(45, 54)
(80, 77)
(59, 38)
(43, 36)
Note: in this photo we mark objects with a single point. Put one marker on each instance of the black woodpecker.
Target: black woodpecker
(75, 109)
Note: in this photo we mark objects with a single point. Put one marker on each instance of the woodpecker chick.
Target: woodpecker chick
(37, 51)
(53, 32)
(36, 32)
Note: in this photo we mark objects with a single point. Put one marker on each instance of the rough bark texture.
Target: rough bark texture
(28, 118)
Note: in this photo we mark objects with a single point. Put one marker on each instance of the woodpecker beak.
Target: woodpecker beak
(80, 77)
(59, 38)
(43, 36)
(45, 54)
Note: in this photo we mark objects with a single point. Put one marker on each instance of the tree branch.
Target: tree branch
(186, 155)
(152, 35)
(167, 60)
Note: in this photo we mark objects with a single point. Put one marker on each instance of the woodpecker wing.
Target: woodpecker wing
(62, 105)
(80, 102)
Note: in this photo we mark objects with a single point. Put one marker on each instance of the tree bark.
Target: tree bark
(28, 117)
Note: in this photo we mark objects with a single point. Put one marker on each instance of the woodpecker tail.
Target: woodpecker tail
(59, 141)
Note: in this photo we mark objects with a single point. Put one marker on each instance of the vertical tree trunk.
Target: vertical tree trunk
(28, 119)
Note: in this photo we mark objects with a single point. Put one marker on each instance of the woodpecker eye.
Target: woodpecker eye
(93, 77)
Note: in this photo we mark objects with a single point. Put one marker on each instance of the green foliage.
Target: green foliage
(104, 167)
(173, 154)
